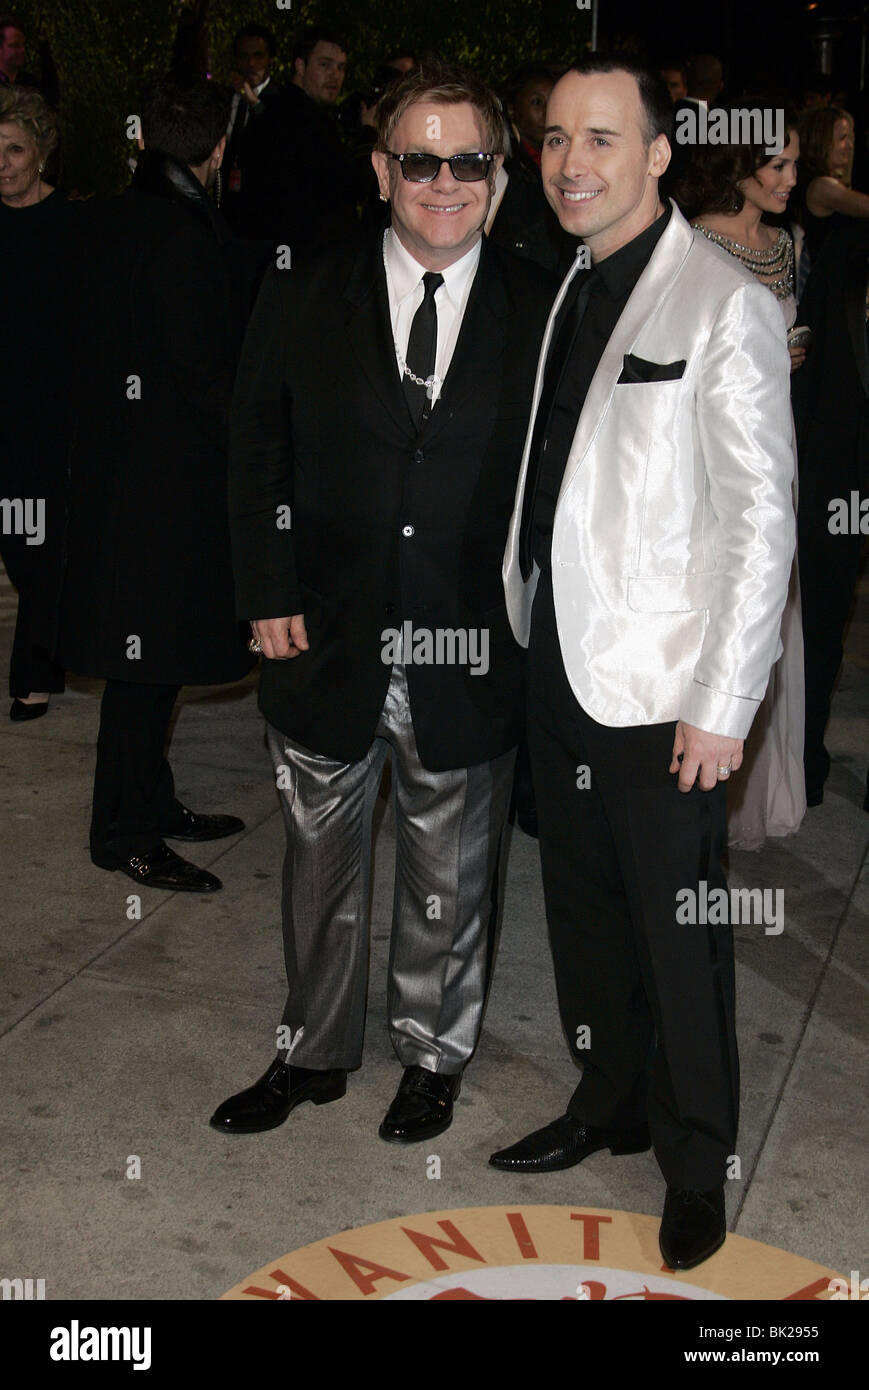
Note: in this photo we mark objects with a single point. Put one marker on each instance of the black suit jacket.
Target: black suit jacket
(320, 424)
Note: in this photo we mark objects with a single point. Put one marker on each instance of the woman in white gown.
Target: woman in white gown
(725, 192)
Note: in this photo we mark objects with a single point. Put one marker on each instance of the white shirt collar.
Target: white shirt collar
(405, 271)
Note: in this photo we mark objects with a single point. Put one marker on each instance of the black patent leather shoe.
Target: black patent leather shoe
(19, 710)
(267, 1103)
(565, 1142)
(423, 1106)
(191, 826)
(163, 868)
(693, 1227)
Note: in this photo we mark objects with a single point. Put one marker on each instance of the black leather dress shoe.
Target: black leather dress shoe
(194, 827)
(565, 1142)
(423, 1106)
(693, 1227)
(267, 1103)
(19, 711)
(163, 868)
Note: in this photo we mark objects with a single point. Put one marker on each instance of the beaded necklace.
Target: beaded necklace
(776, 262)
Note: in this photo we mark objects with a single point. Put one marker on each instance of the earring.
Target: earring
(218, 186)
(383, 198)
(41, 169)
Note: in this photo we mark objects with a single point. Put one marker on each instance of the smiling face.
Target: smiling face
(598, 174)
(770, 186)
(437, 222)
(19, 165)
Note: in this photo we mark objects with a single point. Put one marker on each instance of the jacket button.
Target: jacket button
(419, 456)
(407, 530)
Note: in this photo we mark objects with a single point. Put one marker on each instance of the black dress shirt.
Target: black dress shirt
(609, 286)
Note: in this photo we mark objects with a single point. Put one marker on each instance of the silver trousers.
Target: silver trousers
(449, 827)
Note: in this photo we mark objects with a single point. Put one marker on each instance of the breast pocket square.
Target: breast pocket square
(637, 369)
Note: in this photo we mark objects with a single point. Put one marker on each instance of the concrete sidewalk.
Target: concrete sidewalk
(118, 1036)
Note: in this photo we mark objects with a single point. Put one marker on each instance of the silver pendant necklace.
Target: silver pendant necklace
(433, 383)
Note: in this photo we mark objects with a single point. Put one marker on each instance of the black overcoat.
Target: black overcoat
(148, 551)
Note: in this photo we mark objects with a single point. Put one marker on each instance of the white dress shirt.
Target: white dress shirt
(237, 98)
(405, 288)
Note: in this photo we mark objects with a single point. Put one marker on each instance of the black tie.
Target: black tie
(422, 350)
(565, 334)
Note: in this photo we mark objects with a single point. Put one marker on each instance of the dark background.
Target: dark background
(97, 55)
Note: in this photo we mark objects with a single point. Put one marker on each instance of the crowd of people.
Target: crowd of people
(303, 382)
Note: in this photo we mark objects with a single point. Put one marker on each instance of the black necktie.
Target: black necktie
(422, 350)
(570, 318)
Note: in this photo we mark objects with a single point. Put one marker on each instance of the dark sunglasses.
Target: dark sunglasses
(424, 168)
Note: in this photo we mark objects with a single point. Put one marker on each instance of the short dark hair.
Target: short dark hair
(711, 178)
(307, 41)
(529, 72)
(185, 120)
(256, 31)
(656, 102)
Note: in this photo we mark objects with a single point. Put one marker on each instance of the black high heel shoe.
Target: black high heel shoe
(20, 711)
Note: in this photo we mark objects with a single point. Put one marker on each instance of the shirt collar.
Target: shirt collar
(405, 271)
(621, 271)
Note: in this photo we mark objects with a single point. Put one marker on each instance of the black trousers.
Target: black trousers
(134, 791)
(656, 996)
(829, 570)
(32, 666)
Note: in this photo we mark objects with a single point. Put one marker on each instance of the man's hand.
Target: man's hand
(705, 753)
(243, 87)
(281, 638)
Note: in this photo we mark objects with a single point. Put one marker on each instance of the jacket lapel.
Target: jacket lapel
(479, 347)
(652, 287)
(369, 332)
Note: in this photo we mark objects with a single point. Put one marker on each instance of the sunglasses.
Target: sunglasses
(424, 168)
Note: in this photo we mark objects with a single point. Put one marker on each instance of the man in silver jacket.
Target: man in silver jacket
(646, 570)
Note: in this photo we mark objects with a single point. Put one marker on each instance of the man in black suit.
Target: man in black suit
(254, 49)
(380, 404)
(148, 598)
(301, 186)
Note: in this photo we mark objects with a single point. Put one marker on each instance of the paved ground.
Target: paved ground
(118, 1037)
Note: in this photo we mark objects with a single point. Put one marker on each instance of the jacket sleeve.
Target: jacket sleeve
(261, 462)
(746, 437)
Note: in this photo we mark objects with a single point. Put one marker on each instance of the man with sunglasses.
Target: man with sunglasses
(381, 402)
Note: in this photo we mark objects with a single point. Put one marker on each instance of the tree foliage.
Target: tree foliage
(106, 52)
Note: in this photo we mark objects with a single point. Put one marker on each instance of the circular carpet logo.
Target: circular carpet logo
(526, 1252)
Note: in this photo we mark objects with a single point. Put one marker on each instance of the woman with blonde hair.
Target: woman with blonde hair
(35, 226)
(827, 159)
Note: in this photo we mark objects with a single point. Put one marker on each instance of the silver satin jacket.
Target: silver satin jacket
(674, 530)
